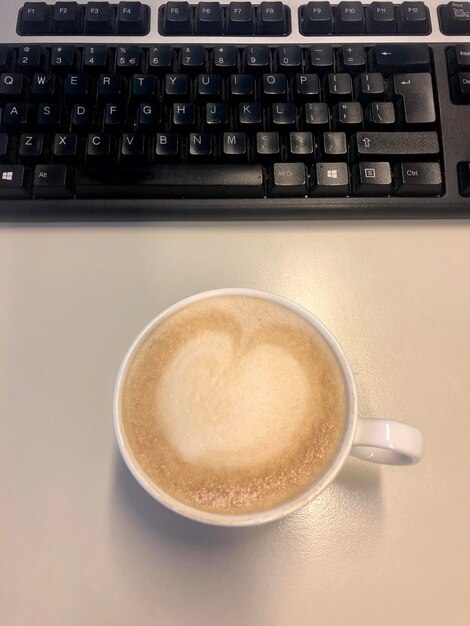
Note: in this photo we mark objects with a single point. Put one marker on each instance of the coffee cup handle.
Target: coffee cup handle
(387, 441)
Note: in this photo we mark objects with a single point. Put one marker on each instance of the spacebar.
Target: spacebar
(170, 181)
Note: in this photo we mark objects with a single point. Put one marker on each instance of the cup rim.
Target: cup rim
(243, 519)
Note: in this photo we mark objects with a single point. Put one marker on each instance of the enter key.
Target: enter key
(416, 92)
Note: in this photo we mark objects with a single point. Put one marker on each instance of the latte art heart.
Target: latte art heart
(234, 404)
(228, 406)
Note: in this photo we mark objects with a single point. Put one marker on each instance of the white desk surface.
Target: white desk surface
(80, 541)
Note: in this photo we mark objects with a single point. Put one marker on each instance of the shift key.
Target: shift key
(399, 144)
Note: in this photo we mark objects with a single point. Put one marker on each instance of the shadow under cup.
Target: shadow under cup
(281, 510)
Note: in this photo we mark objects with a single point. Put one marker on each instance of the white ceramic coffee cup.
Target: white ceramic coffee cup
(376, 440)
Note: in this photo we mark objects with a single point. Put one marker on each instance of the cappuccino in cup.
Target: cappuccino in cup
(234, 404)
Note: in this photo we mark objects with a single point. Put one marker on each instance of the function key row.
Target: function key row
(354, 18)
(289, 59)
(212, 19)
(94, 18)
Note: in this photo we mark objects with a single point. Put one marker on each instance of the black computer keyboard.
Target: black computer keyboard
(170, 110)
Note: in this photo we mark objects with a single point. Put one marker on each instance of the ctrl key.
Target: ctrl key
(15, 182)
(418, 179)
(289, 180)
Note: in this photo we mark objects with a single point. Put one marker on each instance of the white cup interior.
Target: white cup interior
(283, 509)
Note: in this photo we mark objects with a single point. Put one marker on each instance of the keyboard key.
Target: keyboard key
(289, 179)
(114, 116)
(418, 179)
(31, 146)
(347, 116)
(83, 116)
(274, 85)
(301, 144)
(31, 59)
(132, 147)
(6, 155)
(461, 87)
(201, 145)
(272, 19)
(283, 114)
(372, 178)
(413, 18)
(349, 18)
(379, 115)
(249, 114)
(330, 179)
(352, 59)
(143, 86)
(177, 19)
(316, 19)
(171, 181)
(288, 59)
(234, 145)
(166, 145)
(128, 58)
(52, 181)
(65, 146)
(369, 86)
(193, 58)
(149, 115)
(320, 59)
(394, 58)
(35, 19)
(257, 59)
(208, 86)
(77, 86)
(455, 18)
(110, 87)
(268, 144)
(99, 147)
(216, 114)
(15, 182)
(63, 59)
(458, 58)
(416, 92)
(242, 85)
(12, 86)
(380, 18)
(209, 19)
(49, 115)
(95, 58)
(338, 87)
(334, 145)
(307, 86)
(6, 55)
(160, 59)
(225, 58)
(99, 18)
(183, 114)
(67, 18)
(16, 116)
(240, 19)
(316, 114)
(400, 143)
(464, 179)
(132, 19)
(176, 85)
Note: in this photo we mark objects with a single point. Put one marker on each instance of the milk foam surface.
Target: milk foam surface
(234, 404)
